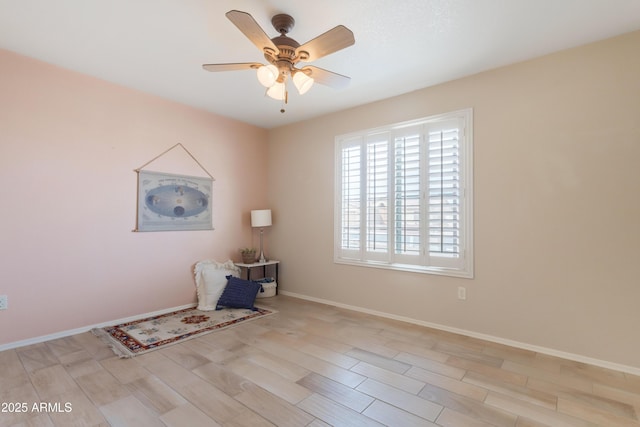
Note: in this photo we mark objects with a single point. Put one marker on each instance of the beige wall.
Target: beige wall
(69, 145)
(557, 206)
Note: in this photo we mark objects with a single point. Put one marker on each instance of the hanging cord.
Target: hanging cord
(166, 151)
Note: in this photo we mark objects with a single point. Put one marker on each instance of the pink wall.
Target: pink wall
(68, 146)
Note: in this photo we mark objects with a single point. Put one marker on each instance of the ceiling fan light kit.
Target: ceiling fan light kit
(267, 75)
(283, 54)
(302, 82)
(277, 91)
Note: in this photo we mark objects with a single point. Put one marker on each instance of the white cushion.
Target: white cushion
(211, 279)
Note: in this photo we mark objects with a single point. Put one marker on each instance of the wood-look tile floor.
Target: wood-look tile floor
(311, 365)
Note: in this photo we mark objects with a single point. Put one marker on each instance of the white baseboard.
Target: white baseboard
(83, 329)
(548, 351)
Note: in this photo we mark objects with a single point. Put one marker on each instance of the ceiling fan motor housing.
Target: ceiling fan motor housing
(286, 59)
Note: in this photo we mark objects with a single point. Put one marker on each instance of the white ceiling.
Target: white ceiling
(158, 46)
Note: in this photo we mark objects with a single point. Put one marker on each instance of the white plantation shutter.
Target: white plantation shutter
(403, 196)
(351, 197)
(377, 196)
(444, 197)
(408, 195)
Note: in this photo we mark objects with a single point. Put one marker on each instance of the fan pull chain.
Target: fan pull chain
(285, 100)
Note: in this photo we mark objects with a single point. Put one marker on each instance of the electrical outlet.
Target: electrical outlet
(4, 302)
(462, 293)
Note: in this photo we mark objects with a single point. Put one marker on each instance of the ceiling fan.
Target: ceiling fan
(284, 53)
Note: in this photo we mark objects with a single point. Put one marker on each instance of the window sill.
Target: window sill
(439, 271)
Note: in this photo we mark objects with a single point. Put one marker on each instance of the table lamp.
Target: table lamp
(261, 219)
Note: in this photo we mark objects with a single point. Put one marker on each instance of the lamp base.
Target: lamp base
(262, 258)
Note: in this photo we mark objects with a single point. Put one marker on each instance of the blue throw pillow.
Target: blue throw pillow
(238, 293)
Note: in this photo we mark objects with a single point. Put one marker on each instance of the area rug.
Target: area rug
(145, 335)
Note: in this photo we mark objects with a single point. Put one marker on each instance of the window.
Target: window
(404, 196)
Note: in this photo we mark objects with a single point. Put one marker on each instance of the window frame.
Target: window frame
(424, 262)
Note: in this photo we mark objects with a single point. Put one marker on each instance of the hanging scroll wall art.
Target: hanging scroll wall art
(173, 202)
(170, 202)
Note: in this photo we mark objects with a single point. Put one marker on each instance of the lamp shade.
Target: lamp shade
(267, 75)
(261, 218)
(277, 91)
(302, 82)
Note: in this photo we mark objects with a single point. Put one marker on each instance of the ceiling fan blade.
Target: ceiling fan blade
(332, 41)
(251, 30)
(327, 78)
(232, 66)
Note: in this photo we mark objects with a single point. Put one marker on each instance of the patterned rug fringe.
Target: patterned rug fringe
(114, 345)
